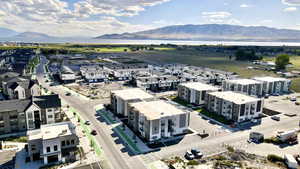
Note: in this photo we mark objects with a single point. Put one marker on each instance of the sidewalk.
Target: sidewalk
(136, 145)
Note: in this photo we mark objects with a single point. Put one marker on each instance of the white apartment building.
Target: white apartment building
(94, 73)
(234, 106)
(121, 98)
(156, 120)
(195, 92)
(52, 142)
(274, 85)
(246, 86)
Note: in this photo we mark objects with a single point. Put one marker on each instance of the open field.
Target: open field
(295, 60)
(216, 60)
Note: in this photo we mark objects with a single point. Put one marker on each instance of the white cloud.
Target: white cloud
(245, 6)
(291, 2)
(216, 15)
(290, 9)
(56, 17)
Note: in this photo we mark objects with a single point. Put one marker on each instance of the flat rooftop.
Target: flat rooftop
(269, 79)
(51, 131)
(236, 98)
(243, 81)
(129, 94)
(200, 86)
(157, 109)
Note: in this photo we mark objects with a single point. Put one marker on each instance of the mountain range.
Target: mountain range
(212, 32)
(207, 32)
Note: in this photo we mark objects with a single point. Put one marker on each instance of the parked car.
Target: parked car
(94, 132)
(276, 94)
(267, 96)
(293, 99)
(277, 118)
(87, 122)
(68, 94)
(189, 156)
(197, 153)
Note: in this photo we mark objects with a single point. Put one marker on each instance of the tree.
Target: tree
(282, 61)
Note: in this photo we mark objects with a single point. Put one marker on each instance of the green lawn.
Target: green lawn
(215, 116)
(296, 85)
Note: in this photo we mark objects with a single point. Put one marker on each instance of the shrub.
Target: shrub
(193, 162)
(274, 158)
(230, 149)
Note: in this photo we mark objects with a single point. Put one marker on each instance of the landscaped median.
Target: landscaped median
(87, 130)
(119, 130)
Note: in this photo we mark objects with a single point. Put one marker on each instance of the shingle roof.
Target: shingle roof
(12, 105)
(47, 101)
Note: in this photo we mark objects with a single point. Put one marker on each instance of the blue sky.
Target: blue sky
(96, 17)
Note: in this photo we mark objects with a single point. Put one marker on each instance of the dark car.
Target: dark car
(277, 118)
(87, 122)
(189, 156)
(93, 132)
(68, 94)
(197, 153)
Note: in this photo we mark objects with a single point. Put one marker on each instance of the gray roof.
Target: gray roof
(47, 101)
(14, 105)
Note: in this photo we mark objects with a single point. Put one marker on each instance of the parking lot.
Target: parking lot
(283, 104)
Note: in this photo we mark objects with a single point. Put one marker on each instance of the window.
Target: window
(72, 142)
(55, 147)
(30, 115)
(258, 108)
(48, 149)
(68, 142)
(63, 143)
(242, 110)
(50, 116)
(49, 110)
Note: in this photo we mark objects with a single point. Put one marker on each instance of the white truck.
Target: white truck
(290, 137)
(290, 161)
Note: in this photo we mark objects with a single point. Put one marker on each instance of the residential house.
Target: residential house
(94, 73)
(67, 75)
(53, 143)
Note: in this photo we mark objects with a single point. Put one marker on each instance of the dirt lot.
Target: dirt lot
(97, 90)
(230, 159)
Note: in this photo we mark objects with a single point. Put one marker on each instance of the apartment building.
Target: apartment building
(53, 143)
(156, 120)
(28, 114)
(234, 106)
(195, 92)
(121, 98)
(274, 85)
(246, 86)
(20, 88)
(159, 83)
(94, 73)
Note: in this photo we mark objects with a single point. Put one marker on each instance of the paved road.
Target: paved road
(117, 159)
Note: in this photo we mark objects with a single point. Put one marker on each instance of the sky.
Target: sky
(90, 18)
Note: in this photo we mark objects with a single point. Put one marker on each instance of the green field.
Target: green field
(215, 60)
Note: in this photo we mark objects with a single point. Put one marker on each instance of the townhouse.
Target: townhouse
(234, 106)
(156, 120)
(126, 71)
(246, 86)
(20, 88)
(195, 92)
(28, 114)
(121, 98)
(67, 75)
(94, 73)
(274, 85)
(53, 143)
(159, 83)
